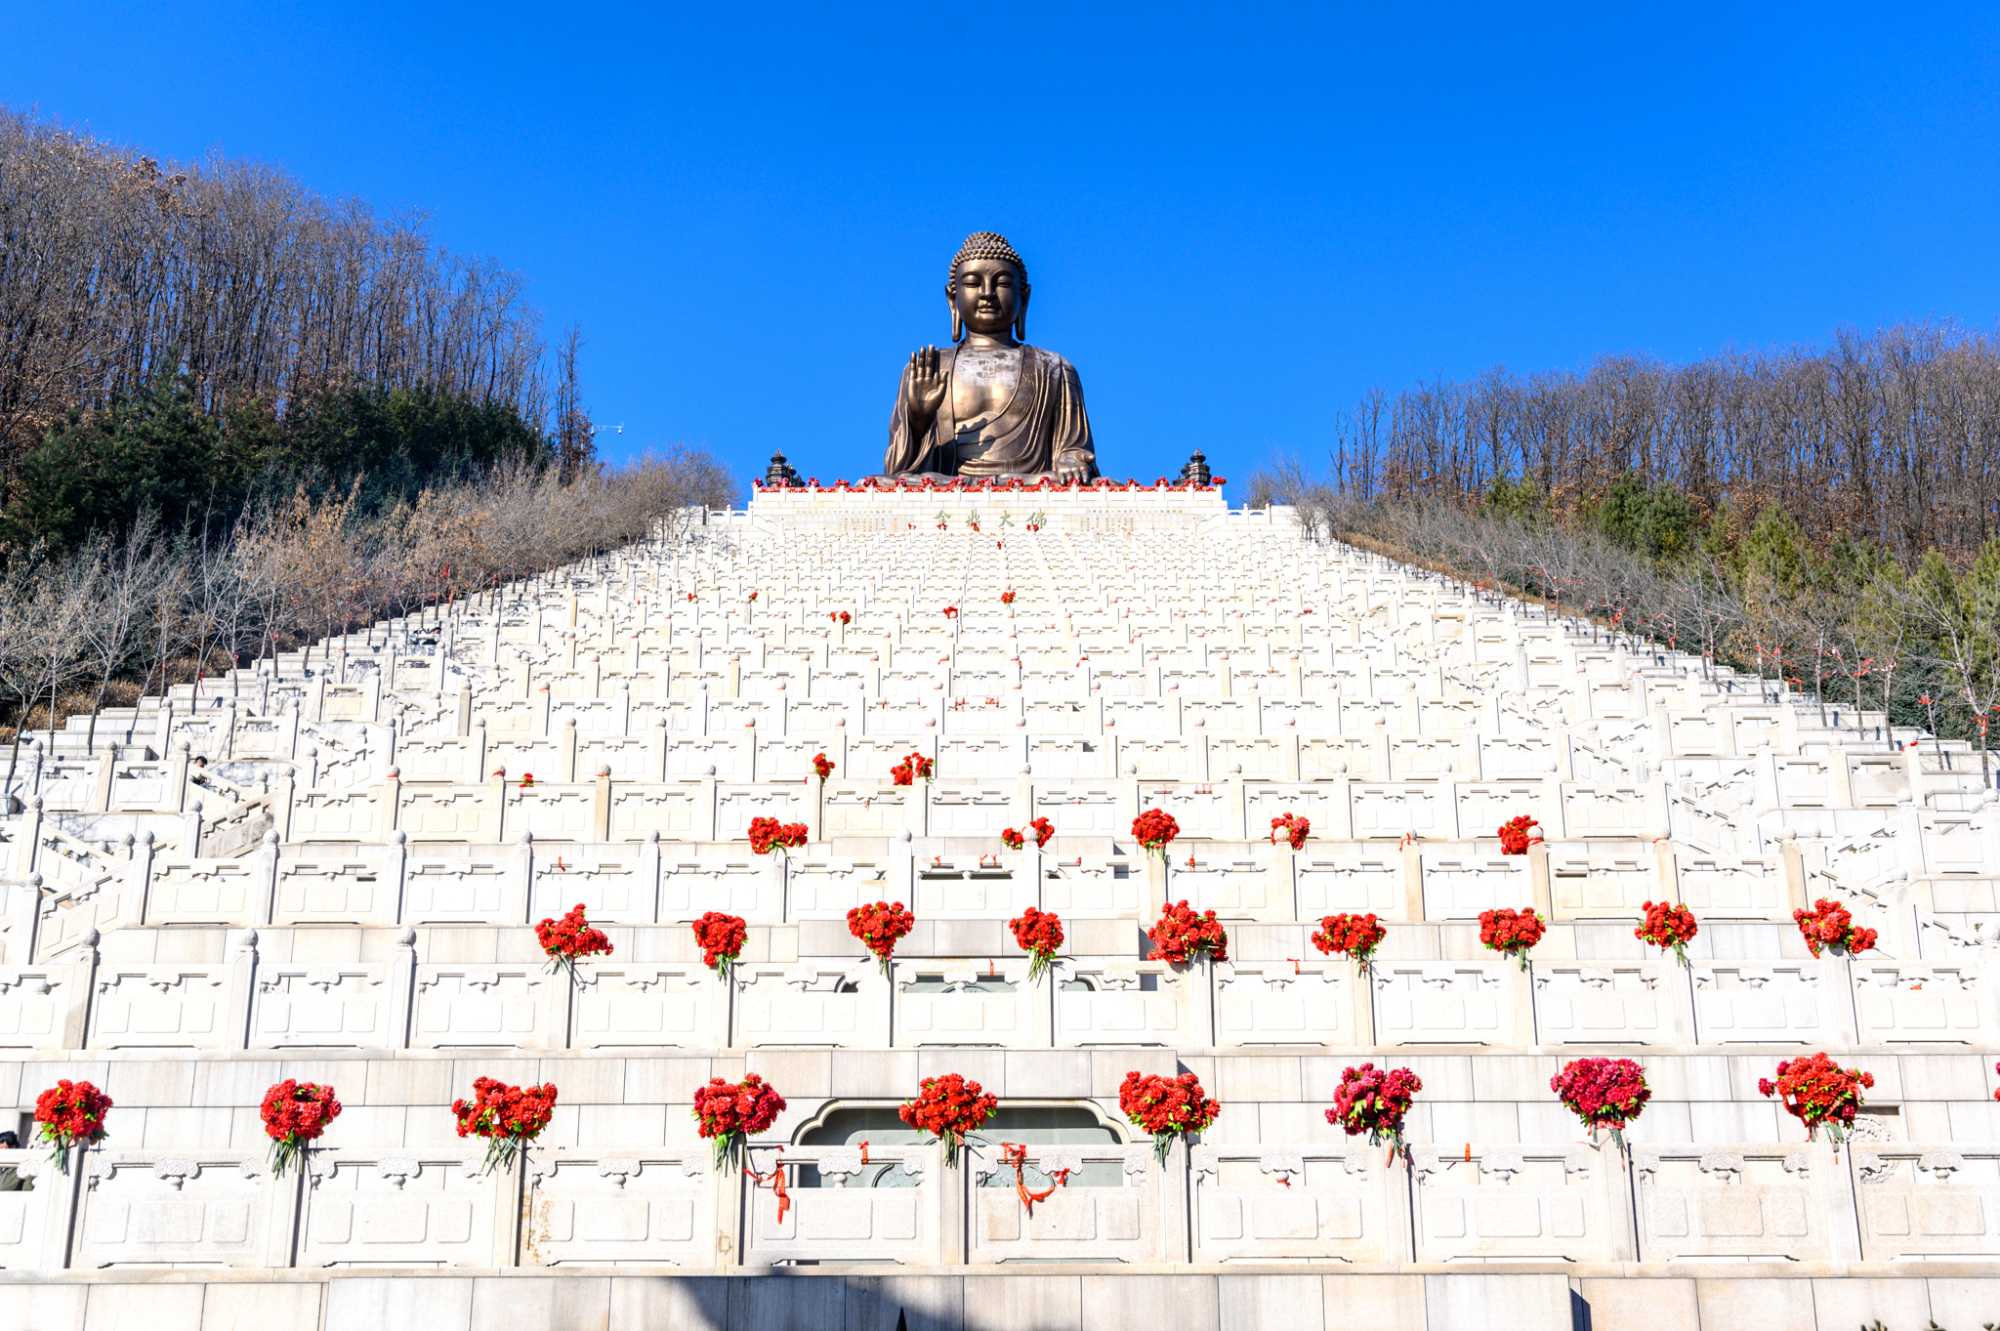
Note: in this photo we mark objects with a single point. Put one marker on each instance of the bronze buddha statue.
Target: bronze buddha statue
(989, 405)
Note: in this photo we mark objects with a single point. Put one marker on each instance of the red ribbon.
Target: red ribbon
(1017, 1155)
(864, 1153)
(776, 1178)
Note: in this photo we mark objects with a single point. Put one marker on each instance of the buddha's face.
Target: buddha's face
(989, 295)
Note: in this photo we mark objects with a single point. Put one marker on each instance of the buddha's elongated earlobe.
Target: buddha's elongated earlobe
(957, 326)
(1021, 327)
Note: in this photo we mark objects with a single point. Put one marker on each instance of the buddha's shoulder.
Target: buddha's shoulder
(1048, 360)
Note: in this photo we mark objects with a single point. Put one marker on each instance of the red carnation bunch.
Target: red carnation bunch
(527, 780)
(1039, 933)
(951, 611)
(721, 937)
(1155, 829)
(729, 1113)
(1166, 1107)
(69, 1114)
(1011, 838)
(571, 938)
(1182, 935)
(768, 834)
(949, 1106)
(1604, 1093)
(879, 926)
(1819, 1093)
(509, 1117)
(1511, 931)
(1355, 936)
(295, 1113)
(1374, 1100)
(822, 767)
(1007, 597)
(914, 767)
(1515, 837)
(840, 617)
(1043, 830)
(1295, 828)
(1831, 925)
(1668, 926)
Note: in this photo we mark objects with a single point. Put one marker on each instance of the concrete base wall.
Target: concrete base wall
(830, 1299)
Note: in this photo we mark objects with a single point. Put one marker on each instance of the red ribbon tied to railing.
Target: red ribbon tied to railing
(776, 1178)
(1015, 1154)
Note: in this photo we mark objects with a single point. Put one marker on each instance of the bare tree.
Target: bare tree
(113, 634)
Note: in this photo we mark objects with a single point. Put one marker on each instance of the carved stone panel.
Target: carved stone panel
(651, 1207)
(1324, 1202)
(183, 1208)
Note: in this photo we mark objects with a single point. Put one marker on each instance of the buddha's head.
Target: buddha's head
(988, 289)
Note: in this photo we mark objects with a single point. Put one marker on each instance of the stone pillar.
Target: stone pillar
(267, 876)
(242, 989)
(517, 901)
(600, 803)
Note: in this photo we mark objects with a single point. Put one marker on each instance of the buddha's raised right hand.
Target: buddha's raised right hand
(924, 385)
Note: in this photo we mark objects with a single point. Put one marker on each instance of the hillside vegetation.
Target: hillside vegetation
(236, 415)
(1827, 517)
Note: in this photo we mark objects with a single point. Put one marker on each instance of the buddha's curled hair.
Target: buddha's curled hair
(986, 245)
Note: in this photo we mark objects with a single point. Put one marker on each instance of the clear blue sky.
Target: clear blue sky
(1236, 218)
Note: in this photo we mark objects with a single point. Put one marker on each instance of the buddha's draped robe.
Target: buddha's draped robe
(1042, 426)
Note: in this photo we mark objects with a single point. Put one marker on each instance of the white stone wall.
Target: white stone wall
(345, 893)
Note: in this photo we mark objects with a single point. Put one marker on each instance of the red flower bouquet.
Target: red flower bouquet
(1043, 830)
(1374, 1100)
(1182, 935)
(1511, 931)
(1515, 837)
(731, 1113)
(1819, 1093)
(1039, 933)
(1355, 936)
(70, 1114)
(879, 927)
(1166, 1107)
(1295, 828)
(1831, 925)
(949, 1106)
(1011, 838)
(527, 780)
(914, 767)
(508, 1117)
(840, 617)
(295, 1113)
(721, 937)
(570, 939)
(1604, 1093)
(1007, 597)
(822, 767)
(1155, 829)
(768, 834)
(951, 612)
(1668, 926)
